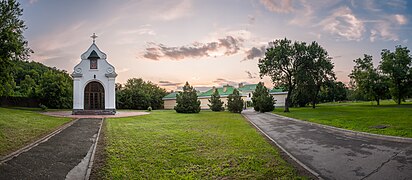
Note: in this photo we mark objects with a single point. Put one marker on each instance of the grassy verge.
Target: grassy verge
(208, 145)
(360, 116)
(18, 127)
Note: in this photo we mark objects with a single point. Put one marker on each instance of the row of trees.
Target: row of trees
(302, 69)
(139, 94)
(187, 102)
(392, 78)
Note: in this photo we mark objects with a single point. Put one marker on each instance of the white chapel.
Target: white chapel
(94, 83)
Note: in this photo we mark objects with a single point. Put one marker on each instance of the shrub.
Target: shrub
(187, 100)
(235, 102)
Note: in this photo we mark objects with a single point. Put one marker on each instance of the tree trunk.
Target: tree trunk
(287, 101)
(377, 100)
(315, 97)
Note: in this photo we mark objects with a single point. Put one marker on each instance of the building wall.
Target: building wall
(169, 103)
(280, 99)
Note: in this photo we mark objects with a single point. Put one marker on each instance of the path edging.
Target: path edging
(350, 132)
(314, 173)
(35, 143)
(90, 165)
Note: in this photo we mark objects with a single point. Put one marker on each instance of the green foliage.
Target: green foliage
(368, 80)
(43, 107)
(332, 91)
(215, 103)
(186, 101)
(55, 90)
(397, 66)
(12, 43)
(149, 108)
(139, 94)
(235, 102)
(262, 100)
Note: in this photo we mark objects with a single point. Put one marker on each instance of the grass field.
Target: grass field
(18, 127)
(360, 116)
(208, 145)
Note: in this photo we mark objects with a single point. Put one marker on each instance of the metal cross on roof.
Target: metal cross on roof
(94, 37)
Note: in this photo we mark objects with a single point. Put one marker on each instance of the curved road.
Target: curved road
(335, 154)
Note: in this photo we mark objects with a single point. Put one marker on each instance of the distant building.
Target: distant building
(245, 90)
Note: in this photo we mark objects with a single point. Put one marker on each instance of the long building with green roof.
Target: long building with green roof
(246, 91)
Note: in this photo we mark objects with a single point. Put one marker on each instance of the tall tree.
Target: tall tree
(367, 79)
(281, 63)
(235, 102)
(320, 68)
(256, 94)
(186, 101)
(56, 90)
(215, 103)
(397, 66)
(12, 43)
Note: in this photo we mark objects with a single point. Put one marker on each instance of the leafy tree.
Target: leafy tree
(12, 43)
(320, 69)
(397, 66)
(282, 62)
(139, 94)
(332, 91)
(187, 100)
(368, 80)
(262, 100)
(215, 103)
(55, 90)
(28, 87)
(235, 102)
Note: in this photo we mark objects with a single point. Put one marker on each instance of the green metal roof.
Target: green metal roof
(93, 54)
(274, 90)
(229, 90)
(171, 96)
(248, 87)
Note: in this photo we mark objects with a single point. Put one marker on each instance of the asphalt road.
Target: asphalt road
(336, 154)
(53, 159)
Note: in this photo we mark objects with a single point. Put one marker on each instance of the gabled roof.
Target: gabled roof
(248, 87)
(223, 91)
(276, 90)
(93, 55)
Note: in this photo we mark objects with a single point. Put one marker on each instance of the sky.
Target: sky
(210, 43)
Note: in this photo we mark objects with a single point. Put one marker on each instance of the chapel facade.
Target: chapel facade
(94, 82)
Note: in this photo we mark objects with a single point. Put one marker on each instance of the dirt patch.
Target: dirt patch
(100, 155)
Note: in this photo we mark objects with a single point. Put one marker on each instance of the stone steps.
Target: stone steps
(94, 112)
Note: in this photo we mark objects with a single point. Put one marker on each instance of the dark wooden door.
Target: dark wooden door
(94, 96)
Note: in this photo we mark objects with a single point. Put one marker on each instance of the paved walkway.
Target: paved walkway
(63, 156)
(337, 155)
(118, 114)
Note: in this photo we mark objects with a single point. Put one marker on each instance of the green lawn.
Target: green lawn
(360, 116)
(18, 127)
(208, 145)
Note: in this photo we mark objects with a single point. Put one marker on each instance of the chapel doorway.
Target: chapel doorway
(94, 96)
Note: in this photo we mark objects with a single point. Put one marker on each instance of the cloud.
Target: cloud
(222, 47)
(250, 75)
(255, 52)
(278, 6)
(169, 83)
(400, 19)
(142, 30)
(344, 23)
(222, 82)
(33, 1)
(172, 10)
(398, 4)
(382, 30)
(303, 16)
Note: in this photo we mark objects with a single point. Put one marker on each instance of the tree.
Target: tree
(28, 87)
(186, 101)
(397, 66)
(262, 100)
(235, 102)
(12, 43)
(56, 90)
(139, 94)
(367, 80)
(215, 103)
(332, 91)
(320, 69)
(282, 62)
